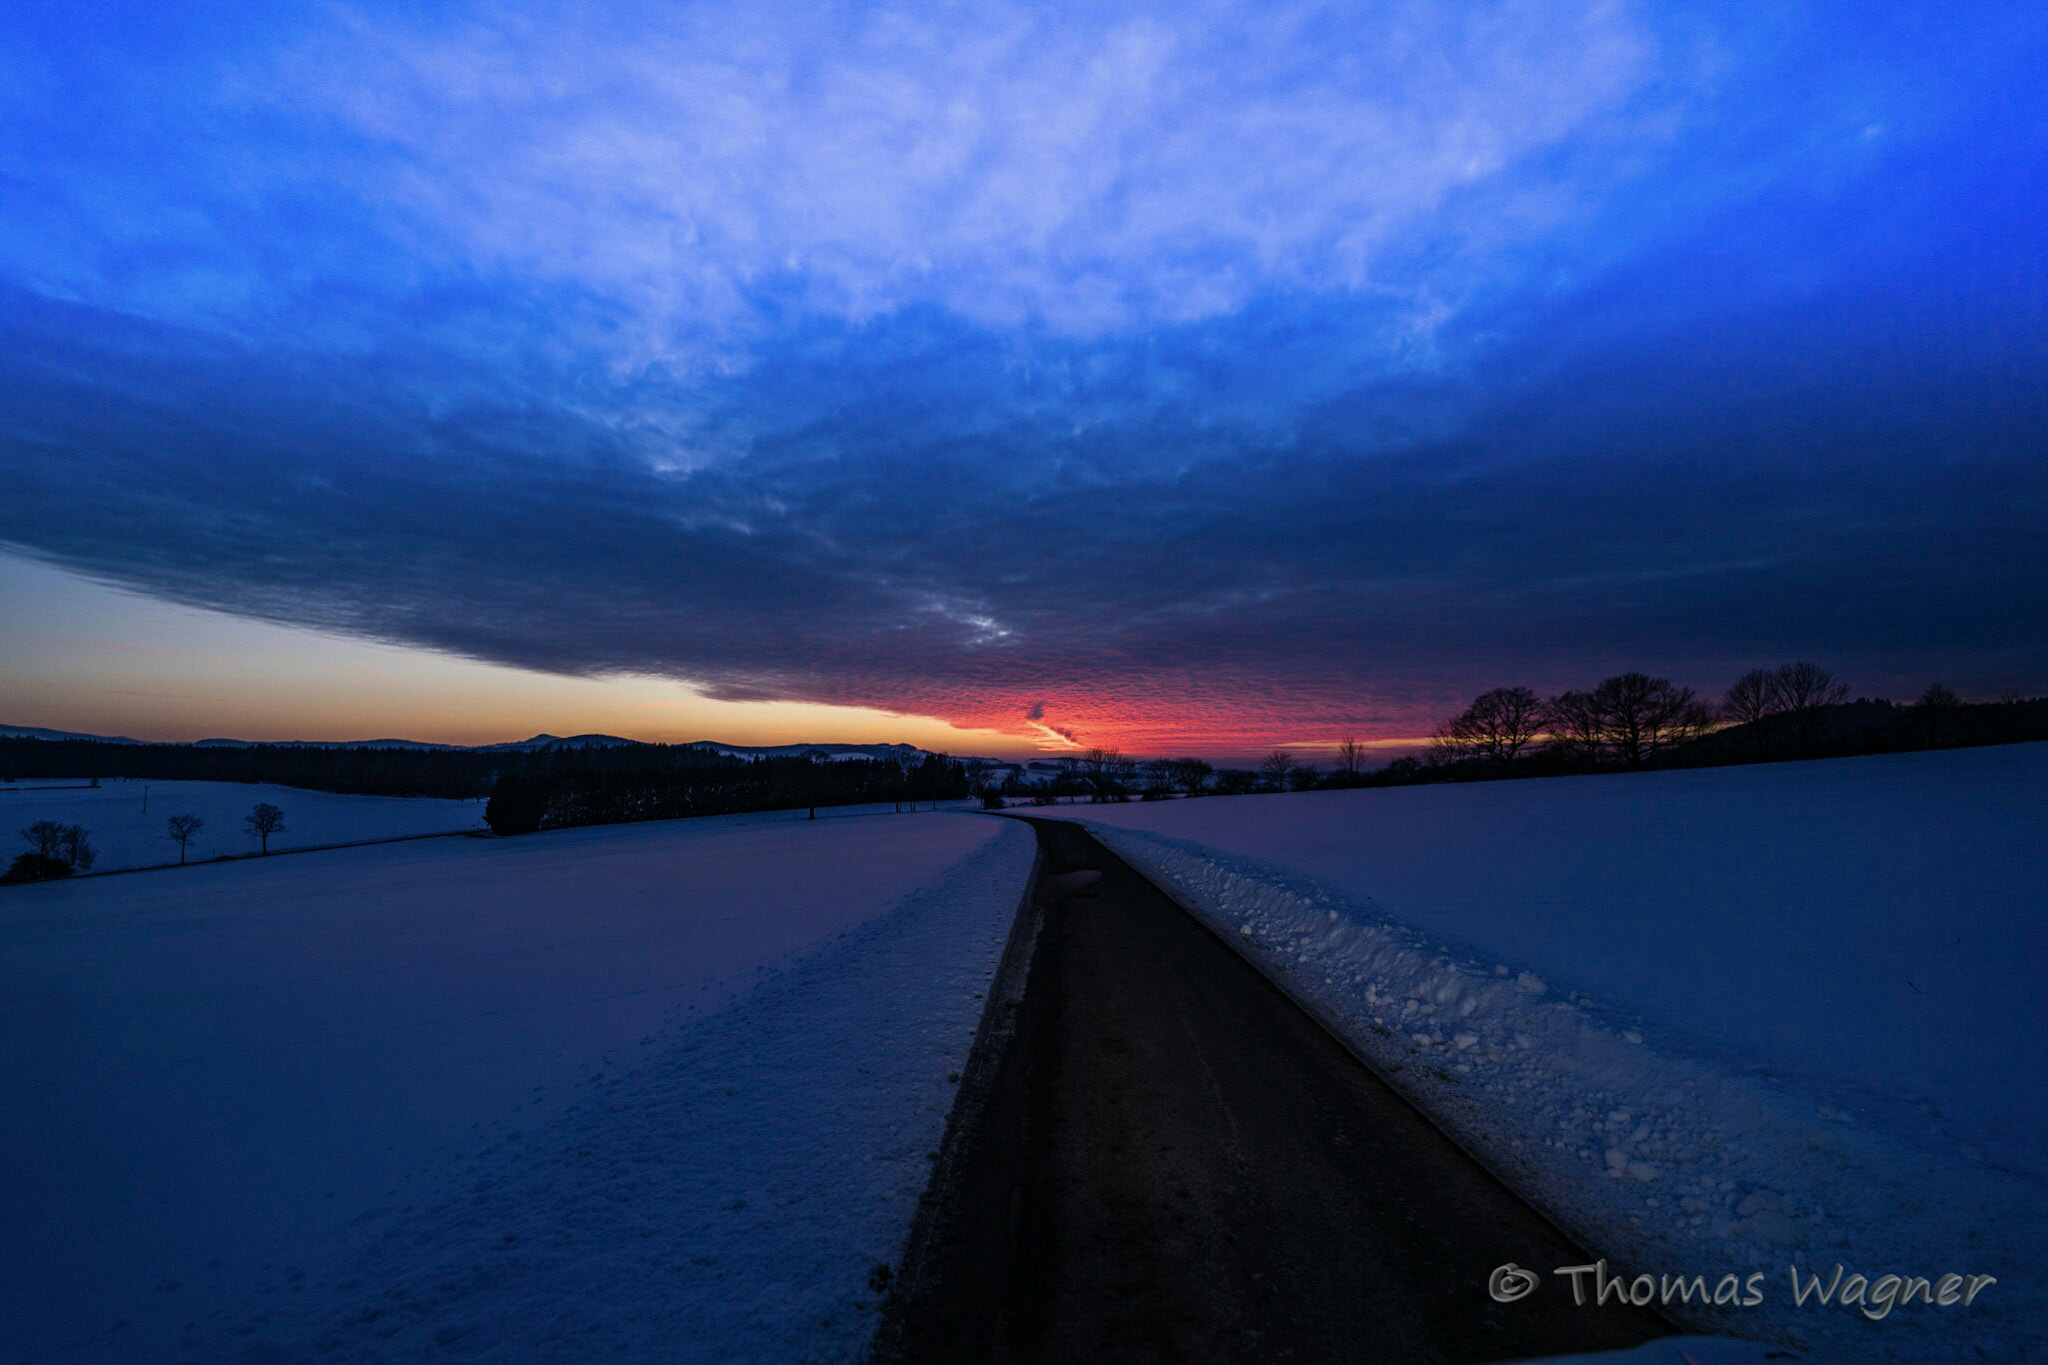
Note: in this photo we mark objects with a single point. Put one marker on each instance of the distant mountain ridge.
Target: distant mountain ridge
(540, 741)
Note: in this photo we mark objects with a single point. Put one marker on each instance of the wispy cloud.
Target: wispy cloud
(1088, 171)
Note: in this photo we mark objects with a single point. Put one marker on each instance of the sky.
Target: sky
(1002, 378)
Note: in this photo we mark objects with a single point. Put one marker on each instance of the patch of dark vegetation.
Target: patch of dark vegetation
(546, 788)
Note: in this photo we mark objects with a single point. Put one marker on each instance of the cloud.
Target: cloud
(1090, 170)
(1139, 582)
(1277, 370)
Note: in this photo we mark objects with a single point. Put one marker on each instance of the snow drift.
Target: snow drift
(1720, 1021)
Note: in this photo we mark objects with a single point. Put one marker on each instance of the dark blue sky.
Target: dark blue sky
(1195, 375)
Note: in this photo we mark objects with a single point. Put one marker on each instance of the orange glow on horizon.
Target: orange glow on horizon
(84, 656)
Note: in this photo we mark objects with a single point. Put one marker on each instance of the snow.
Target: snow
(632, 1092)
(127, 827)
(1734, 1019)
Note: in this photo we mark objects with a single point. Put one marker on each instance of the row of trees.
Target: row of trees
(58, 850)
(1629, 721)
(1633, 720)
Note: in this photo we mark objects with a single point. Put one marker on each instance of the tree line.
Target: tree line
(1628, 722)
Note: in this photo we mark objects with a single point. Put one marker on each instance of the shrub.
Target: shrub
(35, 867)
(516, 805)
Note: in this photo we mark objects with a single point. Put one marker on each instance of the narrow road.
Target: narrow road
(1178, 1164)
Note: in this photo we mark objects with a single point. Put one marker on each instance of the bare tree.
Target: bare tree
(1236, 782)
(1350, 759)
(1642, 715)
(264, 821)
(1755, 700)
(1498, 725)
(1069, 779)
(1572, 722)
(1104, 770)
(1191, 775)
(1934, 708)
(182, 828)
(66, 844)
(1304, 777)
(1808, 690)
(1122, 770)
(1276, 768)
(1630, 717)
(44, 837)
(1445, 747)
(977, 771)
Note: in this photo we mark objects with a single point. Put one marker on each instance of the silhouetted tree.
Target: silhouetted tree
(1276, 768)
(1191, 775)
(1303, 778)
(66, 844)
(1236, 782)
(1755, 700)
(1498, 725)
(74, 849)
(1445, 747)
(1577, 735)
(44, 837)
(182, 828)
(1350, 759)
(1107, 770)
(1934, 708)
(1808, 690)
(517, 804)
(263, 821)
(1631, 717)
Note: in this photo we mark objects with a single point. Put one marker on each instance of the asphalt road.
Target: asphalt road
(1174, 1162)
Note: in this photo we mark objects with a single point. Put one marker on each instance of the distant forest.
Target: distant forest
(547, 788)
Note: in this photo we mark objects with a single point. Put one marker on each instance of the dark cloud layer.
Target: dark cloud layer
(1143, 580)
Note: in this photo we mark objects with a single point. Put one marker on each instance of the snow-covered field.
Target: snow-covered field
(126, 819)
(652, 1091)
(1719, 1021)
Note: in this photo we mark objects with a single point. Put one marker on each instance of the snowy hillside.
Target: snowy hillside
(633, 1092)
(126, 818)
(1724, 1020)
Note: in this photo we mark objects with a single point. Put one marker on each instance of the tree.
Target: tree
(1107, 771)
(1350, 760)
(517, 804)
(1755, 700)
(74, 849)
(1445, 747)
(1631, 716)
(1808, 690)
(55, 843)
(1934, 708)
(1276, 768)
(1303, 778)
(1236, 782)
(44, 837)
(1572, 721)
(1498, 725)
(978, 776)
(182, 828)
(1641, 715)
(265, 820)
(1191, 775)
